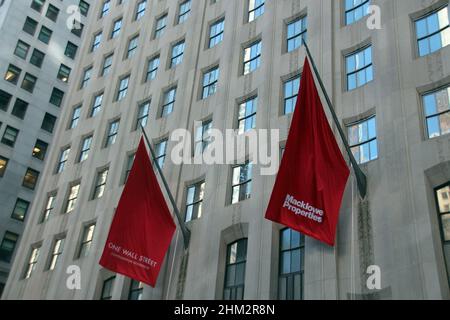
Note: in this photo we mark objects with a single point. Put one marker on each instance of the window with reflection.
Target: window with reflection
(235, 270)
(292, 265)
(437, 112)
(363, 140)
(433, 31)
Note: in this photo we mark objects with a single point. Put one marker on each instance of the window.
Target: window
(97, 104)
(437, 112)
(10, 136)
(296, 33)
(12, 74)
(161, 24)
(116, 28)
(247, 115)
(30, 179)
(132, 46)
(52, 12)
(76, 113)
(85, 147)
(40, 150)
(96, 41)
(292, 265)
(160, 150)
(152, 68)
(20, 210)
(359, 68)
(20, 109)
(45, 35)
(210, 80)
(48, 123)
(30, 26)
(63, 157)
(105, 8)
(355, 10)
(203, 137)
(71, 50)
(113, 130)
(177, 54)
(86, 240)
(433, 32)
(64, 73)
(216, 33)
(32, 261)
(107, 64)
(252, 57)
(3, 164)
(56, 252)
(363, 140)
(22, 49)
(8, 245)
(442, 196)
(5, 99)
(291, 88)
(241, 183)
(185, 9)
(136, 290)
(255, 9)
(129, 165)
(168, 102)
(194, 201)
(107, 288)
(49, 206)
(57, 97)
(123, 88)
(84, 8)
(142, 116)
(72, 198)
(86, 78)
(140, 9)
(37, 5)
(29, 82)
(37, 58)
(235, 270)
(77, 28)
(100, 184)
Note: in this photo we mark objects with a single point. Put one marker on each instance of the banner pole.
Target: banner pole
(184, 230)
(360, 176)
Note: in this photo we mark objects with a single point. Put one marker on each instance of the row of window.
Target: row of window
(291, 263)
(358, 64)
(184, 9)
(291, 255)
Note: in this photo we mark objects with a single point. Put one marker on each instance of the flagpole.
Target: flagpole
(184, 230)
(360, 176)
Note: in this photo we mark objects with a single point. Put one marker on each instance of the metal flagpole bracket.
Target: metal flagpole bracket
(184, 230)
(361, 178)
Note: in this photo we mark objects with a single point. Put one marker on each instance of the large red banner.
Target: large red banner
(142, 228)
(313, 174)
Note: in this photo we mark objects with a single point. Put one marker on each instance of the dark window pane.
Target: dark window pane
(37, 58)
(19, 109)
(48, 124)
(5, 99)
(30, 26)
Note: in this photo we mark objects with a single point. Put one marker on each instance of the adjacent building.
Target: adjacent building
(36, 62)
(202, 64)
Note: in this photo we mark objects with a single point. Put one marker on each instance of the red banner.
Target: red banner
(313, 174)
(142, 228)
